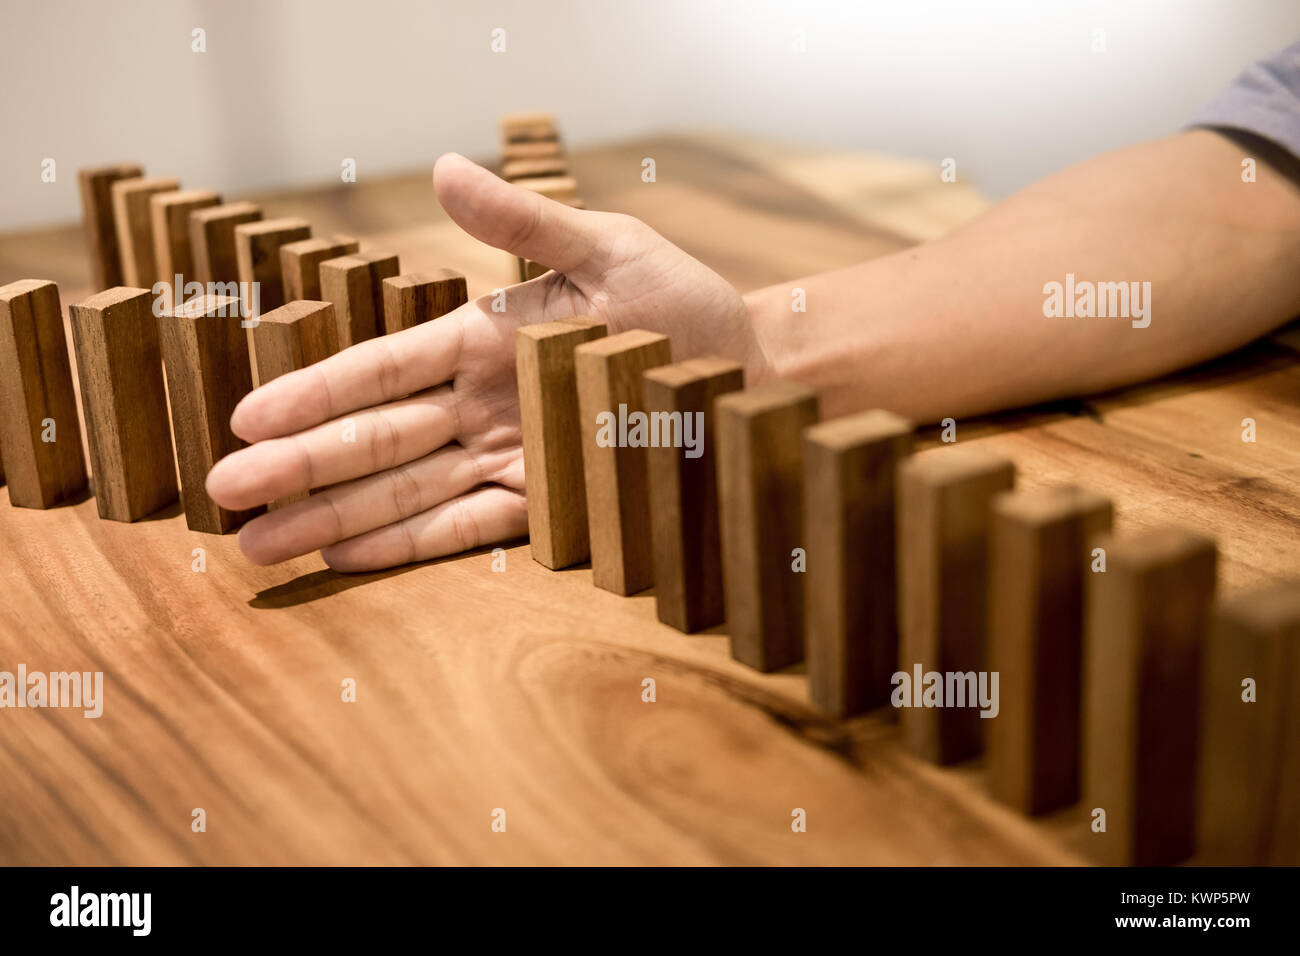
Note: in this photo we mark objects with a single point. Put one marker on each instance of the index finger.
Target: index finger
(369, 373)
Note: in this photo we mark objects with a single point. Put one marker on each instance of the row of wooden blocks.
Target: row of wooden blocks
(532, 156)
(831, 541)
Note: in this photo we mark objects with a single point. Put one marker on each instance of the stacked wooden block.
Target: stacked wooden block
(532, 156)
(996, 620)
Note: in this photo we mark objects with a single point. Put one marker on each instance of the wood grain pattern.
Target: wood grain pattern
(1039, 560)
(212, 240)
(300, 263)
(760, 490)
(205, 353)
(687, 547)
(257, 255)
(354, 285)
(39, 441)
(851, 590)
(133, 221)
(608, 372)
(551, 430)
(420, 296)
(944, 500)
(222, 688)
(1147, 620)
(169, 213)
(1249, 771)
(119, 366)
(95, 186)
(298, 334)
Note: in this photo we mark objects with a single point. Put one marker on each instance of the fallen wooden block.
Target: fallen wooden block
(133, 221)
(40, 433)
(944, 500)
(1148, 615)
(119, 365)
(548, 415)
(1039, 562)
(1249, 791)
(851, 591)
(205, 352)
(418, 297)
(682, 470)
(300, 263)
(257, 254)
(170, 212)
(354, 284)
(527, 127)
(538, 166)
(96, 187)
(212, 241)
(618, 497)
(760, 492)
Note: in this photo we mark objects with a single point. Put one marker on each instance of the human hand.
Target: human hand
(436, 466)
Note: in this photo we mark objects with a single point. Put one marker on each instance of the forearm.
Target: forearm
(957, 326)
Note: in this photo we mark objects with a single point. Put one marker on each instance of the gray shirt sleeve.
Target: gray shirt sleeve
(1263, 100)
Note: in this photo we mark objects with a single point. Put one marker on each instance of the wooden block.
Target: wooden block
(298, 334)
(760, 489)
(212, 240)
(537, 149)
(96, 187)
(1147, 620)
(527, 127)
(1249, 792)
(170, 212)
(1039, 561)
(300, 263)
(529, 269)
(850, 587)
(257, 255)
(421, 296)
(133, 221)
(354, 284)
(205, 353)
(540, 166)
(944, 501)
(548, 414)
(119, 364)
(618, 496)
(37, 400)
(682, 471)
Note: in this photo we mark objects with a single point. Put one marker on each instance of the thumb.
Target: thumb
(512, 218)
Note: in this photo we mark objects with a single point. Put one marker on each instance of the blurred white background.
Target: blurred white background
(288, 88)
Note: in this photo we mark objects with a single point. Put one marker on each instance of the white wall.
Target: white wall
(287, 88)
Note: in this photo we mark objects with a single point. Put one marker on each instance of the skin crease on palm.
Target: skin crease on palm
(953, 327)
(437, 465)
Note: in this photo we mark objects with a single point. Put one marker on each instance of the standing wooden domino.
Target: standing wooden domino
(412, 299)
(684, 489)
(1148, 615)
(851, 592)
(257, 252)
(170, 213)
(212, 240)
(298, 334)
(300, 263)
(548, 413)
(618, 496)
(40, 433)
(1039, 562)
(205, 352)
(943, 526)
(119, 364)
(134, 223)
(96, 186)
(528, 127)
(760, 479)
(1249, 792)
(354, 284)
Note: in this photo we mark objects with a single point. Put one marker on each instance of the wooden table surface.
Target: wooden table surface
(522, 690)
